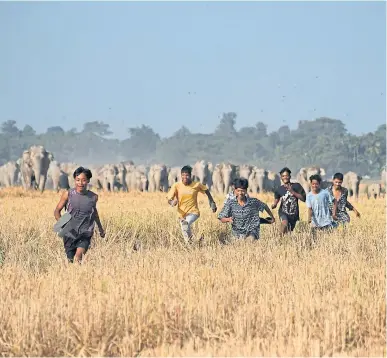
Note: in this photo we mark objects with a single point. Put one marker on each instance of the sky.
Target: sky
(169, 64)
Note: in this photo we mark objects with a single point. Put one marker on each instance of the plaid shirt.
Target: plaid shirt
(245, 218)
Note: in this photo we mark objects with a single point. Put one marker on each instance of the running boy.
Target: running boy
(243, 211)
(184, 194)
(318, 202)
(289, 194)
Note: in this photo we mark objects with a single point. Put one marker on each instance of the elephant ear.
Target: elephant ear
(50, 156)
(303, 173)
(26, 157)
(322, 172)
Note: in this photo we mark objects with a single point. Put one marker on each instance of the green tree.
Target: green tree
(97, 128)
(9, 128)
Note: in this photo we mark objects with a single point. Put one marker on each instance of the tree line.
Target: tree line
(323, 141)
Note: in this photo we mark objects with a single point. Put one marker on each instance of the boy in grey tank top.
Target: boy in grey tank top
(81, 204)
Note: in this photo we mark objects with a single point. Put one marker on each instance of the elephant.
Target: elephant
(136, 179)
(34, 165)
(69, 169)
(209, 178)
(200, 172)
(374, 190)
(304, 174)
(217, 179)
(9, 173)
(383, 181)
(257, 180)
(273, 181)
(121, 177)
(351, 182)
(210, 168)
(130, 177)
(96, 181)
(174, 176)
(245, 171)
(223, 176)
(108, 177)
(58, 177)
(158, 178)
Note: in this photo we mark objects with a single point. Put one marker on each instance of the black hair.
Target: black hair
(339, 176)
(83, 170)
(284, 170)
(315, 177)
(241, 183)
(186, 169)
(233, 183)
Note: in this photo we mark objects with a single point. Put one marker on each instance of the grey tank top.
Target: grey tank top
(82, 209)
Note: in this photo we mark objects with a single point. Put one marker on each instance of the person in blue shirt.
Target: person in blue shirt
(318, 202)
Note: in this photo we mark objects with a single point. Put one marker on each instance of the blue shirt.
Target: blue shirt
(320, 205)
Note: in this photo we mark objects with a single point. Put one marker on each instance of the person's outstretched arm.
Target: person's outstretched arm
(211, 200)
(266, 208)
(204, 190)
(349, 206)
(62, 203)
(310, 211)
(225, 215)
(299, 193)
(98, 220)
(172, 195)
(277, 198)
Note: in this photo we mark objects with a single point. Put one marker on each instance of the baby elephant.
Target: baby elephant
(374, 190)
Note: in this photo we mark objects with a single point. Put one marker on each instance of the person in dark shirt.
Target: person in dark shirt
(242, 212)
(289, 194)
(81, 203)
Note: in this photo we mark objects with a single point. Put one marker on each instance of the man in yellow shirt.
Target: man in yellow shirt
(185, 195)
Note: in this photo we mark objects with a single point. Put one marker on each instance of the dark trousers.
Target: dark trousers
(71, 245)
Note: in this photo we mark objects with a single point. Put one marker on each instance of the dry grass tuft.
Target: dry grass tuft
(281, 297)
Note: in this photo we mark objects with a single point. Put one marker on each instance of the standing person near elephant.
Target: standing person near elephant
(184, 194)
(81, 204)
(243, 213)
(319, 203)
(339, 194)
(289, 194)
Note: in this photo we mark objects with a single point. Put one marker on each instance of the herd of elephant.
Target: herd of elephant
(37, 169)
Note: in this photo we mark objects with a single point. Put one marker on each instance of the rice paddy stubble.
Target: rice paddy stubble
(271, 297)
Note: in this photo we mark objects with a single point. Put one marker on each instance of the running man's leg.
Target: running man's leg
(284, 223)
(186, 225)
(82, 245)
(70, 249)
(288, 224)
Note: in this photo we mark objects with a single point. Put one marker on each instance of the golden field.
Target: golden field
(274, 297)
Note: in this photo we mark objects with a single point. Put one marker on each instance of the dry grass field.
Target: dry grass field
(274, 297)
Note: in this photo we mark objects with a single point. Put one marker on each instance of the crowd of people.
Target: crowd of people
(327, 208)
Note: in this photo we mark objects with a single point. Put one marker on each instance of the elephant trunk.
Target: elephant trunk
(144, 183)
(260, 182)
(37, 171)
(157, 181)
(122, 179)
(355, 189)
(227, 182)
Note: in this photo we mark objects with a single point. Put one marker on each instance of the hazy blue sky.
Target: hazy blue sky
(67, 63)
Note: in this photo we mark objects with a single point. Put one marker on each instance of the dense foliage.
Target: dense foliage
(323, 142)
